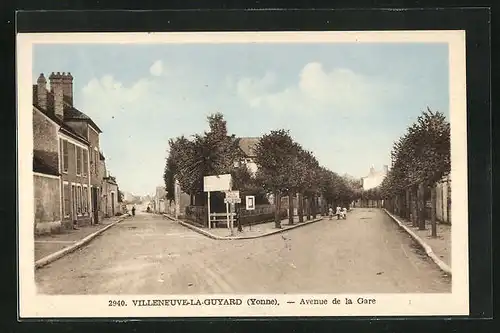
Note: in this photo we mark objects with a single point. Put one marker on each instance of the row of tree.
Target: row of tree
(420, 158)
(285, 168)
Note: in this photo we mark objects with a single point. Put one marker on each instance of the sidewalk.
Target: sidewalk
(48, 244)
(249, 231)
(441, 245)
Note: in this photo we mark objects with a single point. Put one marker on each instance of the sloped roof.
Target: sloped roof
(40, 166)
(70, 112)
(247, 145)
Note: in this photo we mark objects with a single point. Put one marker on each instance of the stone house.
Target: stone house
(67, 182)
(374, 178)
(247, 146)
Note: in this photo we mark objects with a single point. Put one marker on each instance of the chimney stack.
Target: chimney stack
(386, 169)
(67, 82)
(42, 92)
(56, 87)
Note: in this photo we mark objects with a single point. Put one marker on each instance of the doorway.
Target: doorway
(112, 203)
(95, 198)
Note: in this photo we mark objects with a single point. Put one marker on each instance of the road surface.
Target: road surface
(148, 254)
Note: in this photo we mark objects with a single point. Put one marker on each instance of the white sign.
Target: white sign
(233, 194)
(217, 183)
(250, 202)
(232, 200)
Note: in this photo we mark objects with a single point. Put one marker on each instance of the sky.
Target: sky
(346, 102)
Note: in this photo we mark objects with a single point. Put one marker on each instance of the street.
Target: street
(148, 254)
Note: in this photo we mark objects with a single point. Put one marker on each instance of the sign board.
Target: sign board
(232, 200)
(250, 202)
(217, 183)
(233, 194)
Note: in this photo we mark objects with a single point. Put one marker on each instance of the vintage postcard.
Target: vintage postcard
(242, 174)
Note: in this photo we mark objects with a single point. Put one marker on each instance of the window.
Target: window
(67, 200)
(96, 161)
(79, 200)
(85, 200)
(85, 161)
(64, 147)
(78, 160)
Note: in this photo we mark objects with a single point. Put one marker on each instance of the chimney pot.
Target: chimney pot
(41, 90)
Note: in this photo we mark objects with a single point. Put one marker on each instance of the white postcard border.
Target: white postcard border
(33, 305)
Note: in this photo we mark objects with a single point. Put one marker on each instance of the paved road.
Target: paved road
(147, 254)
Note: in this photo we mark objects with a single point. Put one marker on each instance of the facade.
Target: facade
(374, 178)
(247, 146)
(67, 184)
(110, 201)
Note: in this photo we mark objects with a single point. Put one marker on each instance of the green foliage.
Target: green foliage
(276, 159)
(210, 154)
(421, 155)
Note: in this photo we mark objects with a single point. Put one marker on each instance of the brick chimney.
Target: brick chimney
(56, 87)
(41, 92)
(67, 81)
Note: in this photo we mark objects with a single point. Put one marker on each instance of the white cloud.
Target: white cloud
(341, 90)
(157, 68)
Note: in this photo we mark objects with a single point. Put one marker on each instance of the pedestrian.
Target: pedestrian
(344, 213)
(133, 210)
(330, 213)
(337, 212)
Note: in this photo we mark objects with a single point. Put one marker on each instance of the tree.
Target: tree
(189, 161)
(420, 158)
(274, 156)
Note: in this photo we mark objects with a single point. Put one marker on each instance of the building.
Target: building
(247, 146)
(374, 178)
(65, 158)
(110, 199)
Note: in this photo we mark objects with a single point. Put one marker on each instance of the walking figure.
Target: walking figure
(344, 213)
(337, 212)
(133, 210)
(330, 213)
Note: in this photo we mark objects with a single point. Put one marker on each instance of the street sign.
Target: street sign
(232, 200)
(233, 194)
(217, 183)
(250, 202)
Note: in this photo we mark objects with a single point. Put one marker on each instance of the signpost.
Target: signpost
(232, 197)
(214, 184)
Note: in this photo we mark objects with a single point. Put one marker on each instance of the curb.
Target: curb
(428, 250)
(61, 253)
(212, 236)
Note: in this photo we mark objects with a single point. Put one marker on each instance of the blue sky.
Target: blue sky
(346, 102)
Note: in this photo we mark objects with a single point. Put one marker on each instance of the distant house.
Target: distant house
(374, 178)
(67, 179)
(247, 146)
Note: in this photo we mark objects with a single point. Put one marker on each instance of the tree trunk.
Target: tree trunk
(407, 204)
(277, 204)
(433, 210)
(414, 218)
(300, 208)
(421, 207)
(313, 206)
(308, 208)
(290, 207)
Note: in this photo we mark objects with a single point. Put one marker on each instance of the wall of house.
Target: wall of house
(373, 181)
(47, 204)
(110, 197)
(96, 173)
(443, 200)
(80, 182)
(45, 139)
